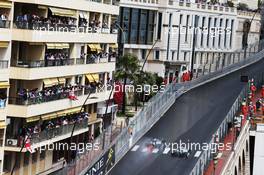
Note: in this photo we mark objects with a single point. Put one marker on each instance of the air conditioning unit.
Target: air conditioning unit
(11, 142)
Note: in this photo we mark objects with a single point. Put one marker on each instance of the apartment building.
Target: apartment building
(216, 29)
(53, 56)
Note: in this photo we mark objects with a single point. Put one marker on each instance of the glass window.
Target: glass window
(143, 27)
(159, 26)
(157, 54)
(187, 27)
(150, 32)
(209, 30)
(126, 19)
(172, 55)
(143, 54)
(134, 26)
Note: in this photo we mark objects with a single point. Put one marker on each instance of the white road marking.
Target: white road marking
(156, 150)
(198, 153)
(166, 151)
(135, 148)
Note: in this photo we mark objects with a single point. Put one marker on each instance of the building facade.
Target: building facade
(186, 34)
(53, 56)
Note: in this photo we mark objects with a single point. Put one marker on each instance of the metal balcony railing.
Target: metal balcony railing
(61, 62)
(48, 134)
(39, 98)
(44, 63)
(4, 24)
(59, 131)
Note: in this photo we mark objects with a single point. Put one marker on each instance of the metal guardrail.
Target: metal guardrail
(162, 101)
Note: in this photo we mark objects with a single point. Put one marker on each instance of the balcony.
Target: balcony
(49, 135)
(83, 5)
(41, 69)
(202, 7)
(46, 32)
(39, 105)
(4, 72)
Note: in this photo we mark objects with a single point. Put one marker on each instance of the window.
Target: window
(126, 19)
(150, 32)
(143, 54)
(172, 55)
(209, 30)
(187, 27)
(169, 33)
(231, 33)
(134, 26)
(220, 34)
(226, 25)
(215, 21)
(143, 27)
(157, 54)
(159, 25)
(202, 34)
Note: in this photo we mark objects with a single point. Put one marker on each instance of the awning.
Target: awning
(114, 46)
(63, 12)
(49, 116)
(92, 47)
(2, 124)
(54, 81)
(92, 77)
(5, 4)
(4, 85)
(69, 111)
(98, 47)
(33, 119)
(62, 80)
(58, 46)
(50, 82)
(4, 44)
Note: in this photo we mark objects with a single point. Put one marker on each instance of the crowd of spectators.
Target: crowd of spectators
(56, 59)
(50, 93)
(34, 21)
(45, 126)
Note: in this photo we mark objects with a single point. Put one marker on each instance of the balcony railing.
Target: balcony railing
(45, 63)
(3, 64)
(49, 27)
(39, 98)
(48, 134)
(4, 24)
(62, 62)
(59, 131)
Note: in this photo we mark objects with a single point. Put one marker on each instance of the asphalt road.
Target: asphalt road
(195, 116)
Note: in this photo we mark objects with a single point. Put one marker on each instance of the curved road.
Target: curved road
(194, 116)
